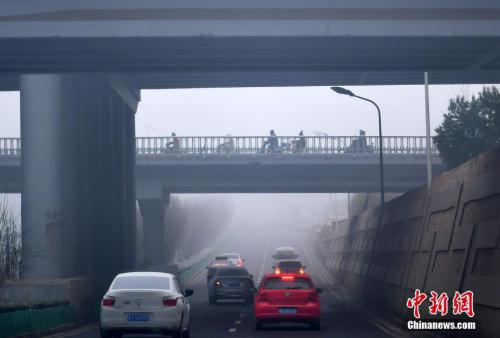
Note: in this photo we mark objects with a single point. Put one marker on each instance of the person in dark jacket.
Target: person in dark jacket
(271, 144)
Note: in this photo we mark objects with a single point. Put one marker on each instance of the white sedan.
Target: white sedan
(145, 302)
(234, 258)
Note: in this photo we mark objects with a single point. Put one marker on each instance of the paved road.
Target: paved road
(235, 320)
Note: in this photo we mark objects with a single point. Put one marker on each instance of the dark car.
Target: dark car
(230, 283)
(218, 262)
(289, 266)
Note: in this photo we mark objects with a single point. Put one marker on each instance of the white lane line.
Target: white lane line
(242, 315)
(238, 322)
(263, 265)
(232, 330)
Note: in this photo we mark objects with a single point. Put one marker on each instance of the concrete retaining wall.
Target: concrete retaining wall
(444, 241)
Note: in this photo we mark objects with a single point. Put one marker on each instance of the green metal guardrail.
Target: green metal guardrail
(186, 274)
(34, 320)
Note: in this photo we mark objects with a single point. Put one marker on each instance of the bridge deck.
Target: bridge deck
(245, 164)
(199, 44)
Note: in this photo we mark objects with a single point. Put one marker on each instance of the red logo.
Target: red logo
(415, 302)
(438, 303)
(462, 303)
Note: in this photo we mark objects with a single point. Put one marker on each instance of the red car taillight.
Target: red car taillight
(313, 297)
(169, 302)
(108, 301)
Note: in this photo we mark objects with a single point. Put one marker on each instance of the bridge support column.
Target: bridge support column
(78, 177)
(153, 213)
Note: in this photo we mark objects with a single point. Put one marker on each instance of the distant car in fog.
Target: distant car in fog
(145, 302)
(284, 252)
(234, 258)
(218, 262)
(287, 298)
(230, 283)
(289, 266)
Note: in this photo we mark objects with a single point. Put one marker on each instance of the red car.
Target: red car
(287, 298)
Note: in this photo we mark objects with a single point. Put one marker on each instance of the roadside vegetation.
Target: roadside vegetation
(10, 243)
(470, 127)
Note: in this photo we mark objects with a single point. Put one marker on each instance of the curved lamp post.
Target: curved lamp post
(343, 91)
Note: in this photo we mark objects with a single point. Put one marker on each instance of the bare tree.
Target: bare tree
(10, 243)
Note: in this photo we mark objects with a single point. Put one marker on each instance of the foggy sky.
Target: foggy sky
(253, 111)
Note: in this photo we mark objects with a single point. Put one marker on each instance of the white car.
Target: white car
(284, 253)
(145, 302)
(234, 258)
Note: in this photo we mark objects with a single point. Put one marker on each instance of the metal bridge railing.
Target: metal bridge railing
(10, 146)
(284, 144)
(258, 145)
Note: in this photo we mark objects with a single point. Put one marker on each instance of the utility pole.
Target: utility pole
(428, 132)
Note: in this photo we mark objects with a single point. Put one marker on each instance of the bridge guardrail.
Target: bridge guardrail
(285, 144)
(257, 145)
(10, 146)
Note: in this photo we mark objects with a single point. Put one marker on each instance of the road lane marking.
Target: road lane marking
(263, 265)
(232, 330)
(238, 322)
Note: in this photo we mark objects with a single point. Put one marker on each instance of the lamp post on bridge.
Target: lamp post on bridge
(343, 91)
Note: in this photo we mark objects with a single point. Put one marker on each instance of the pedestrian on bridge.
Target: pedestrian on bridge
(270, 145)
(174, 145)
(299, 144)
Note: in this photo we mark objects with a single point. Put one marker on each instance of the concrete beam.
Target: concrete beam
(153, 213)
(42, 198)
(78, 191)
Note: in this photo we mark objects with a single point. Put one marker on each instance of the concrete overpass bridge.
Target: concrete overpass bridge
(239, 164)
(167, 44)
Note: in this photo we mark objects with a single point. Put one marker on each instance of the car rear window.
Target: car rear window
(233, 256)
(141, 282)
(290, 265)
(297, 283)
(232, 272)
(285, 253)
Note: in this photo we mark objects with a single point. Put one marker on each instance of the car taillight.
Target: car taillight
(313, 297)
(277, 271)
(169, 302)
(218, 284)
(108, 301)
(263, 297)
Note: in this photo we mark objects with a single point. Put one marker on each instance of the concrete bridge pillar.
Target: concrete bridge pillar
(153, 211)
(78, 160)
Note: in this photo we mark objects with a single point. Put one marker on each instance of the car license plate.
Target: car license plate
(287, 310)
(138, 317)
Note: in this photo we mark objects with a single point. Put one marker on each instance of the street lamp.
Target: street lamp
(343, 91)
